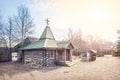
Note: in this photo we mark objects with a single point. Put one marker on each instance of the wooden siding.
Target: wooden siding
(4, 54)
(42, 54)
(33, 54)
(68, 55)
(50, 57)
(60, 55)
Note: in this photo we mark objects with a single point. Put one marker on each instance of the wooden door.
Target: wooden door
(68, 55)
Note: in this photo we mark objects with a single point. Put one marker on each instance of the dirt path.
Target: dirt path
(104, 68)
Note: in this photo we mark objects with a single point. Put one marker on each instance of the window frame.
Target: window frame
(50, 54)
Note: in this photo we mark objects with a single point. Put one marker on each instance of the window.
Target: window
(50, 54)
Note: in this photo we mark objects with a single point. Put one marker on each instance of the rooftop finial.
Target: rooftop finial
(47, 21)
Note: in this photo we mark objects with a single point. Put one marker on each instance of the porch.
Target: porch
(63, 56)
(52, 57)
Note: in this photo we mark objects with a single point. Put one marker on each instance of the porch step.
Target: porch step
(68, 63)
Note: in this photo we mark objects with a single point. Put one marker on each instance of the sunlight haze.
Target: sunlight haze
(94, 17)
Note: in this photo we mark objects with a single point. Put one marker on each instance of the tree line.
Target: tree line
(18, 27)
(89, 42)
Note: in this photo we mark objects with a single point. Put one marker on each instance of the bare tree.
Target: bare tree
(2, 32)
(1, 28)
(5, 33)
(23, 22)
(70, 34)
(76, 39)
(9, 35)
(9, 30)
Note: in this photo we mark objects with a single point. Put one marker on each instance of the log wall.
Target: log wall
(39, 58)
(4, 54)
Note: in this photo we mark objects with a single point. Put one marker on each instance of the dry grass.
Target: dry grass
(104, 68)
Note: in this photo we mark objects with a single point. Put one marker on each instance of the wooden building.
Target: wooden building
(49, 51)
(17, 47)
(89, 56)
(4, 51)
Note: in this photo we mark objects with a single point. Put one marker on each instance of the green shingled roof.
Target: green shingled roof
(46, 40)
(47, 34)
(44, 43)
(62, 44)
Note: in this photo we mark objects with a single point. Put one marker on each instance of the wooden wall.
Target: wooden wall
(40, 54)
(44, 54)
(4, 54)
(33, 54)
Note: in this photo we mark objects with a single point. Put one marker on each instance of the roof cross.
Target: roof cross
(47, 21)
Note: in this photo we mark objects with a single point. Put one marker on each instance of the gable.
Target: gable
(70, 46)
(67, 45)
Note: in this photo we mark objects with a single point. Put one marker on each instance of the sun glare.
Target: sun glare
(96, 15)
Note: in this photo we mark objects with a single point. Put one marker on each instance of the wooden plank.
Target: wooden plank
(65, 55)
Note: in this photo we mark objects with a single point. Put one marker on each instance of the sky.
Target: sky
(93, 17)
